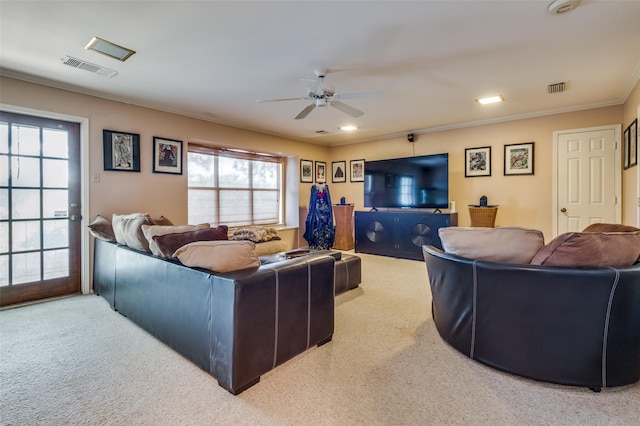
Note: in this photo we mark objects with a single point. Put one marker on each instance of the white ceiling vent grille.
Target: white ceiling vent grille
(87, 66)
(556, 87)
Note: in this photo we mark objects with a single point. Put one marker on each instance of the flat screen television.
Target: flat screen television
(411, 182)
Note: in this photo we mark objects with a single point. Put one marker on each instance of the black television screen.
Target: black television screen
(411, 182)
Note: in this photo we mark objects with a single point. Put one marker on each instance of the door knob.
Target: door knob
(563, 210)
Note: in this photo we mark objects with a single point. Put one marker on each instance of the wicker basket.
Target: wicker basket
(483, 216)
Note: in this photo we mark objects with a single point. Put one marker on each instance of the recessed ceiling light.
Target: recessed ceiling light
(110, 49)
(348, 128)
(490, 100)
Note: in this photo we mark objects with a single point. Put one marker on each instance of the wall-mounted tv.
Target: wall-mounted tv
(411, 182)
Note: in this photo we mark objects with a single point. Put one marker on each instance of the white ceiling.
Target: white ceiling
(431, 59)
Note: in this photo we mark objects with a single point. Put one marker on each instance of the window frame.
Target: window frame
(243, 155)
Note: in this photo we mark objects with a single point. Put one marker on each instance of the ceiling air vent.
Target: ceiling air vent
(87, 66)
(556, 87)
(321, 132)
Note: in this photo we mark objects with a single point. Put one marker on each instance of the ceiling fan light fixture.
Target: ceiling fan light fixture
(109, 49)
(348, 128)
(559, 7)
(490, 100)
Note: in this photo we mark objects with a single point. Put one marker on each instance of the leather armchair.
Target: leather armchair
(568, 326)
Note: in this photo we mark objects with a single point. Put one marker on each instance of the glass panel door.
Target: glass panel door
(39, 208)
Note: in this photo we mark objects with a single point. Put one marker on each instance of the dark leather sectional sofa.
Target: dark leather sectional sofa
(237, 325)
(570, 326)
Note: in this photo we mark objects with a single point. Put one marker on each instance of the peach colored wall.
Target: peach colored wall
(157, 194)
(523, 200)
(630, 176)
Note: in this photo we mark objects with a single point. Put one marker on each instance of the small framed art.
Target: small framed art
(338, 171)
(121, 151)
(167, 156)
(477, 161)
(626, 146)
(633, 143)
(518, 159)
(306, 171)
(357, 170)
(321, 172)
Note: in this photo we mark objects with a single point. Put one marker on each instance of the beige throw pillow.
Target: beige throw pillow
(127, 229)
(219, 256)
(150, 231)
(506, 244)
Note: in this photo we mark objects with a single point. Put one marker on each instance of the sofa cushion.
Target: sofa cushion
(610, 227)
(102, 229)
(219, 256)
(506, 244)
(127, 229)
(590, 249)
(257, 234)
(151, 231)
(167, 244)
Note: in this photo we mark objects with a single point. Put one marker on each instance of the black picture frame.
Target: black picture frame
(338, 171)
(356, 168)
(306, 171)
(477, 161)
(519, 159)
(626, 146)
(121, 151)
(633, 143)
(321, 172)
(167, 156)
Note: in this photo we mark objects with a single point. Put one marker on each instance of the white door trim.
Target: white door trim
(85, 275)
(617, 129)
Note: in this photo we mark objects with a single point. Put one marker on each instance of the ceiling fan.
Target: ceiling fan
(323, 94)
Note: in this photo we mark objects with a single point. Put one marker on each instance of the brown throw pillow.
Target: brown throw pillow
(102, 229)
(151, 231)
(591, 250)
(610, 227)
(169, 243)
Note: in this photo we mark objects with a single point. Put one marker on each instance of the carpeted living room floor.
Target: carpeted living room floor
(75, 361)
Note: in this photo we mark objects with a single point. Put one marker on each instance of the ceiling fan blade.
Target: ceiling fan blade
(346, 109)
(305, 111)
(371, 94)
(280, 100)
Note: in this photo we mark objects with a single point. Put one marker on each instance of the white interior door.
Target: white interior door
(587, 178)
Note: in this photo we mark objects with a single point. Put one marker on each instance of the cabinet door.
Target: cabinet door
(416, 230)
(375, 233)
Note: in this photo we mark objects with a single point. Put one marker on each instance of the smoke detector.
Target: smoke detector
(559, 7)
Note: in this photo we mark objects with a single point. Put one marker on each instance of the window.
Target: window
(233, 187)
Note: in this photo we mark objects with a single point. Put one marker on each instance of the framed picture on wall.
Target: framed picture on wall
(338, 171)
(357, 170)
(477, 161)
(306, 171)
(626, 147)
(321, 172)
(121, 151)
(633, 143)
(167, 156)
(518, 159)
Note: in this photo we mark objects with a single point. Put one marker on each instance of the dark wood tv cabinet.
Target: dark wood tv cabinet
(399, 234)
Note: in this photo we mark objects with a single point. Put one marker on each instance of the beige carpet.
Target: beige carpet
(74, 361)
